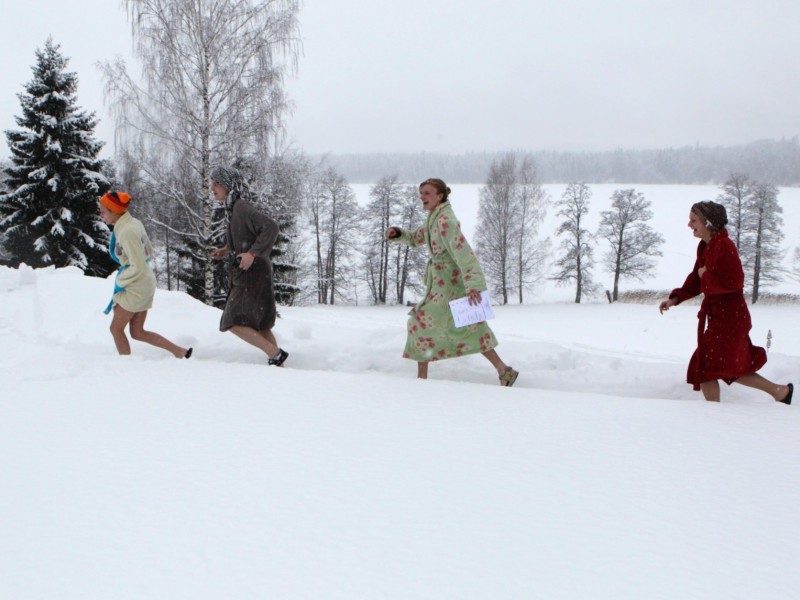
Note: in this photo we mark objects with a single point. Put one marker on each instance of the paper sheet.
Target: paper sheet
(464, 314)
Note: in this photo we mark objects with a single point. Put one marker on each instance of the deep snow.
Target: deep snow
(599, 475)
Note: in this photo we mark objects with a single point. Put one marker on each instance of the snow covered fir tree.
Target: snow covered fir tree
(48, 215)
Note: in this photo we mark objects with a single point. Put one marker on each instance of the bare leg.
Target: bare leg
(269, 336)
(710, 390)
(422, 370)
(263, 340)
(778, 392)
(496, 361)
(140, 334)
(118, 323)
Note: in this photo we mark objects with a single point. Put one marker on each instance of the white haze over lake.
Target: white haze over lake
(599, 475)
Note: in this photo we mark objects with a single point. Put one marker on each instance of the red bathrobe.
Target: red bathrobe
(724, 350)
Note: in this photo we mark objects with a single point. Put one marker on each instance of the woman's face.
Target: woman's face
(109, 217)
(698, 225)
(220, 192)
(430, 197)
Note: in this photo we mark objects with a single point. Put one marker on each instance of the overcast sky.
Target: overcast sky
(469, 75)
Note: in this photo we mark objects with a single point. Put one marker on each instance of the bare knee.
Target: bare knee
(138, 333)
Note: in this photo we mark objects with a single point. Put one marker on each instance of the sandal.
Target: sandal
(508, 377)
(788, 398)
(279, 358)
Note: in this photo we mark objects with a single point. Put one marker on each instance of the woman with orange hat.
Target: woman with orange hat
(135, 284)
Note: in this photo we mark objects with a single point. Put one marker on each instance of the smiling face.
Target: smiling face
(430, 197)
(220, 192)
(698, 225)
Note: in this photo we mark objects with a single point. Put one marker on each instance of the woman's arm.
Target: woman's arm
(412, 239)
(264, 230)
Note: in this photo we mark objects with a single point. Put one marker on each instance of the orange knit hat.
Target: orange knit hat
(116, 202)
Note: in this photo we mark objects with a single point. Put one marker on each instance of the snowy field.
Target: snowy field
(600, 475)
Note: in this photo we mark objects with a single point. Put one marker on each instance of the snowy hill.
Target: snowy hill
(600, 475)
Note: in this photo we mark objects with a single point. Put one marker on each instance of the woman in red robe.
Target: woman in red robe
(724, 350)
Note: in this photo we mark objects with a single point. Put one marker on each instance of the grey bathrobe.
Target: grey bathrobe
(251, 301)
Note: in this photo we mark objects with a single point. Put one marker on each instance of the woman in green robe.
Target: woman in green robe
(452, 272)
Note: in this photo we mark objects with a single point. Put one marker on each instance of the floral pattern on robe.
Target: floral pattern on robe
(452, 270)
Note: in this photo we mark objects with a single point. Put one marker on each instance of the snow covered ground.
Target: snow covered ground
(600, 475)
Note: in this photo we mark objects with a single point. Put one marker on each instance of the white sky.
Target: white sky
(459, 76)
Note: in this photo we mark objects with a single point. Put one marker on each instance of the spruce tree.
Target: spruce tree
(49, 215)
(282, 192)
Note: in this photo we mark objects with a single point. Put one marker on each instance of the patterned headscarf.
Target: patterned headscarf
(715, 215)
(232, 180)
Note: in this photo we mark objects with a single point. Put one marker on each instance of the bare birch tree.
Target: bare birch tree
(495, 235)
(531, 252)
(577, 260)
(764, 223)
(408, 266)
(632, 242)
(213, 90)
(385, 197)
(734, 197)
(794, 273)
(335, 218)
(512, 206)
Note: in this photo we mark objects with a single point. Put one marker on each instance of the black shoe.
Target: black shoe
(788, 398)
(188, 353)
(279, 358)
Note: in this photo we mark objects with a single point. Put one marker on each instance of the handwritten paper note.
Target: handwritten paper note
(465, 314)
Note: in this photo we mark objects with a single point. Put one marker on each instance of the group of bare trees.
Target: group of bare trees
(754, 226)
(631, 244)
(512, 208)
(349, 242)
(391, 267)
(212, 91)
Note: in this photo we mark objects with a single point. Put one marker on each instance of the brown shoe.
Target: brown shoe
(508, 377)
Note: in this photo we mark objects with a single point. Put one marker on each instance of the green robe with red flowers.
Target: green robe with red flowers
(452, 270)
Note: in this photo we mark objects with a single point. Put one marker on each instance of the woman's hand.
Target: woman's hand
(218, 253)
(700, 271)
(474, 297)
(667, 304)
(245, 260)
(392, 233)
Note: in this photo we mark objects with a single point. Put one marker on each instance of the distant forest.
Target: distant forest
(770, 161)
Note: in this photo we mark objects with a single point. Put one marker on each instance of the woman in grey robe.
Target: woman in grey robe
(250, 307)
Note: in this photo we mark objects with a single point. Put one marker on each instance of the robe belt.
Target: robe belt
(702, 315)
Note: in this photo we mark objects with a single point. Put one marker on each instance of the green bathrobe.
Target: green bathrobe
(452, 270)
